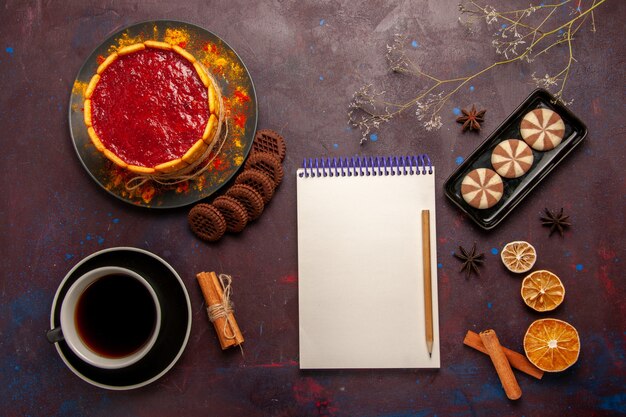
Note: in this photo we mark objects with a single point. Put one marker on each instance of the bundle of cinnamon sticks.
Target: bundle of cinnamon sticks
(219, 309)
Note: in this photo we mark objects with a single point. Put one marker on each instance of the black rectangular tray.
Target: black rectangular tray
(515, 189)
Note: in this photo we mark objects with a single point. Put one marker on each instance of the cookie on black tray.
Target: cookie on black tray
(543, 129)
(482, 188)
(512, 158)
(207, 222)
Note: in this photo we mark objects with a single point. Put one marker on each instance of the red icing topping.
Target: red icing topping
(149, 107)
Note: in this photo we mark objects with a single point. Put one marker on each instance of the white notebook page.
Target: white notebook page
(360, 271)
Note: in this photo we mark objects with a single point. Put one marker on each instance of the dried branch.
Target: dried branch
(521, 36)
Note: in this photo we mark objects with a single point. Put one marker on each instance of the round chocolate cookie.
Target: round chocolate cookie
(266, 140)
(482, 188)
(206, 222)
(512, 158)
(268, 164)
(233, 211)
(258, 180)
(542, 129)
(249, 198)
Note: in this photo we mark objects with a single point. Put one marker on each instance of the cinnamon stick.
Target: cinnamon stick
(517, 360)
(501, 363)
(226, 326)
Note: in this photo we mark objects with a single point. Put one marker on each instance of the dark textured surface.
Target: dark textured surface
(306, 60)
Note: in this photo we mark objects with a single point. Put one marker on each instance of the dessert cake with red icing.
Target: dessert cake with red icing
(151, 108)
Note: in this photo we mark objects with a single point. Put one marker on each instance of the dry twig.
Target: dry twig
(521, 36)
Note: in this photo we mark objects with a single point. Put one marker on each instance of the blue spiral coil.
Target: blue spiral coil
(365, 166)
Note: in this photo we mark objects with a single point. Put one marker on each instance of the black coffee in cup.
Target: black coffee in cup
(115, 316)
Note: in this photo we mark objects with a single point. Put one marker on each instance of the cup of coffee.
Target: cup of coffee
(110, 318)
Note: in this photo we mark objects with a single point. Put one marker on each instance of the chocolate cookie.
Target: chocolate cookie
(268, 164)
(542, 129)
(258, 180)
(249, 198)
(234, 213)
(482, 188)
(512, 158)
(266, 140)
(207, 222)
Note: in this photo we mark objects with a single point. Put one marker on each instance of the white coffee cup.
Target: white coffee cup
(69, 329)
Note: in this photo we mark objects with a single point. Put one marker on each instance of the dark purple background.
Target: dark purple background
(306, 60)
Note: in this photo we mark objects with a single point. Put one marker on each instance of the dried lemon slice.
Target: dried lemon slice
(552, 345)
(518, 256)
(542, 291)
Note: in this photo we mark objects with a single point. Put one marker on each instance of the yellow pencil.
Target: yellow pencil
(428, 296)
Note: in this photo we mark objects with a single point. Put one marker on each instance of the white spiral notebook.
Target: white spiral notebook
(360, 266)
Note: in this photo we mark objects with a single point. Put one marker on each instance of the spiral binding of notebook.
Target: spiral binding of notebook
(366, 166)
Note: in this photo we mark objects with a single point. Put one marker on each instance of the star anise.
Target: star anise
(471, 260)
(471, 119)
(556, 221)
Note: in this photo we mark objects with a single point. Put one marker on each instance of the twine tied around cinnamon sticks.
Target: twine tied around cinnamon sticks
(224, 308)
(217, 292)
